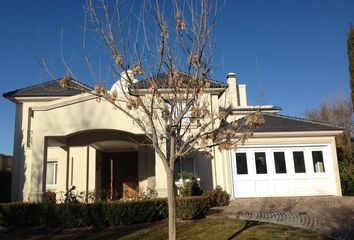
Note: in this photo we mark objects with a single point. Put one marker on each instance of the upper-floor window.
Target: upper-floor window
(178, 108)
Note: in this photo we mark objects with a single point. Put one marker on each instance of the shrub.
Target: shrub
(80, 215)
(136, 211)
(21, 214)
(191, 188)
(189, 208)
(98, 214)
(346, 171)
(218, 197)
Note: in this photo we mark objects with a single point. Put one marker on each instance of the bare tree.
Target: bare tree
(338, 112)
(169, 45)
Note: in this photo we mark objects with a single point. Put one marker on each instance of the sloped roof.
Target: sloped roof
(162, 79)
(281, 123)
(49, 89)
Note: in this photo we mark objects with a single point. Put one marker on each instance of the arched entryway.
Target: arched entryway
(108, 163)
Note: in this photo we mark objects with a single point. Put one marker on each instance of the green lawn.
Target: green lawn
(204, 229)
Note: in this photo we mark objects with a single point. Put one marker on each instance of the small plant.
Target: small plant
(72, 197)
(185, 175)
(218, 197)
(143, 195)
(190, 186)
(50, 197)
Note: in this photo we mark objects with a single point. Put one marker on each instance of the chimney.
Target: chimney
(121, 85)
(232, 90)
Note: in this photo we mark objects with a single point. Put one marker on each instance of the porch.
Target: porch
(104, 164)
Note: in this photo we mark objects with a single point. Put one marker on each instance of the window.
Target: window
(261, 163)
(241, 163)
(299, 162)
(179, 107)
(183, 165)
(52, 173)
(318, 164)
(279, 162)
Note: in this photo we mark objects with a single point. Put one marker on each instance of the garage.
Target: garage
(274, 171)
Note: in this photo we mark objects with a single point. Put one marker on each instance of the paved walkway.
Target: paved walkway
(329, 215)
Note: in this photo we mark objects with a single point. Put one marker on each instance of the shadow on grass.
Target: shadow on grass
(248, 224)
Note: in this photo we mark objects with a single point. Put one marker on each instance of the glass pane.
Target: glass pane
(318, 164)
(184, 165)
(50, 173)
(187, 165)
(241, 163)
(279, 162)
(299, 162)
(261, 163)
(177, 169)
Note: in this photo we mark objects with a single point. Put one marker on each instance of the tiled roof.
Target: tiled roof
(49, 89)
(281, 123)
(161, 81)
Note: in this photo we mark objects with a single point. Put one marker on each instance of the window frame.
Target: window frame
(285, 161)
(255, 162)
(55, 174)
(313, 163)
(180, 165)
(247, 167)
(304, 153)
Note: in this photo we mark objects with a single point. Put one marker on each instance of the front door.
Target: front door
(120, 174)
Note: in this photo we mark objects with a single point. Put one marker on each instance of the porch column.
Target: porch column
(87, 172)
(67, 150)
(161, 177)
(38, 169)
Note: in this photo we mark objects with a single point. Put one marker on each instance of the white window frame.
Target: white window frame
(55, 174)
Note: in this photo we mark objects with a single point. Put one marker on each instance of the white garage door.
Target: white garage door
(282, 171)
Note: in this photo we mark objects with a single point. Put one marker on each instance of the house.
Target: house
(65, 138)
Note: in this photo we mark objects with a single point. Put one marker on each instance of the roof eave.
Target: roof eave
(21, 99)
(310, 133)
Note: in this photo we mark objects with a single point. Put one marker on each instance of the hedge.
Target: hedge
(189, 208)
(98, 214)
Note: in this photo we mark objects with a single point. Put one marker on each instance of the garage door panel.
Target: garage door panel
(245, 189)
(303, 172)
(264, 188)
(320, 186)
(302, 187)
(283, 187)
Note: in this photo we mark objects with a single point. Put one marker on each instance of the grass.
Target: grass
(204, 229)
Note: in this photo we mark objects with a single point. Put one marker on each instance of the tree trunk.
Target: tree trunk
(171, 207)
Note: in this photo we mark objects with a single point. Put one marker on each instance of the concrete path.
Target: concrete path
(329, 215)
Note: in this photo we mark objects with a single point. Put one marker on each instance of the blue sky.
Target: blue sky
(290, 53)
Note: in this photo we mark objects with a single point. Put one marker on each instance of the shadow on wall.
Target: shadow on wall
(18, 172)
